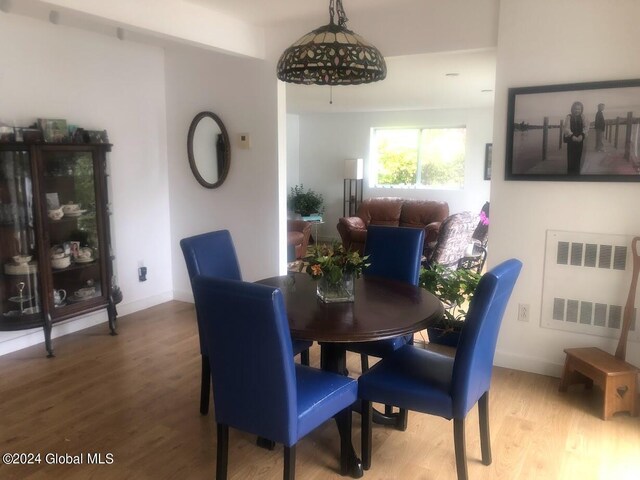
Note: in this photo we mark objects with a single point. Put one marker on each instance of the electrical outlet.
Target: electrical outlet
(523, 312)
(142, 274)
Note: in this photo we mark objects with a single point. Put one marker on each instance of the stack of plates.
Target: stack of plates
(75, 213)
(20, 269)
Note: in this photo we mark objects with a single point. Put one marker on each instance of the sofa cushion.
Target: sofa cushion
(418, 213)
(381, 211)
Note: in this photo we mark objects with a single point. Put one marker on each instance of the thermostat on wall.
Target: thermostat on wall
(244, 140)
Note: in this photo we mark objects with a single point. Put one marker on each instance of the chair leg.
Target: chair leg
(344, 417)
(364, 362)
(289, 463)
(304, 357)
(365, 432)
(485, 437)
(205, 385)
(460, 448)
(222, 458)
(401, 419)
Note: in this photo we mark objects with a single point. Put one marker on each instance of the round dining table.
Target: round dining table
(382, 309)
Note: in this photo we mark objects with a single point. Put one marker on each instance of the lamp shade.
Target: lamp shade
(354, 168)
(332, 55)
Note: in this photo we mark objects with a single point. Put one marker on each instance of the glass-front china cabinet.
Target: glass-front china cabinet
(55, 246)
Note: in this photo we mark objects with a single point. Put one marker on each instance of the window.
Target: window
(419, 157)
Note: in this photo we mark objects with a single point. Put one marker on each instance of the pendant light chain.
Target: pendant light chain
(342, 17)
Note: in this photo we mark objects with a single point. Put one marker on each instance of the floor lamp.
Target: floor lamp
(353, 175)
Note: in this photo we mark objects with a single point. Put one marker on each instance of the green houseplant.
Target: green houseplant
(455, 289)
(304, 202)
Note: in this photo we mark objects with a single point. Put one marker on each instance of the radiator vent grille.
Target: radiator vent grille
(586, 282)
(584, 255)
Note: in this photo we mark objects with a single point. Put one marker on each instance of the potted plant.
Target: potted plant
(335, 269)
(455, 289)
(304, 203)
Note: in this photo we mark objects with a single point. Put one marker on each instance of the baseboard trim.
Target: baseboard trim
(183, 296)
(527, 364)
(27, 338)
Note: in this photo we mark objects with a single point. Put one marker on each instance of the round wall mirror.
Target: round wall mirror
(209, 149)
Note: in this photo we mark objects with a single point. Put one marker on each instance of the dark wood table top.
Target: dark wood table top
(382, 309)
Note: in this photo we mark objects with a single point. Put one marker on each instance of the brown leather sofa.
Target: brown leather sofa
(395, 212)
(298, 233)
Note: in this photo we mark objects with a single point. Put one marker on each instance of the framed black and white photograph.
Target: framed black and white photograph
(574, 132)
(488, 153)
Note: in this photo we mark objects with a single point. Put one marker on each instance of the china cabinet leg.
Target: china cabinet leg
(113, 315)
(47, 336)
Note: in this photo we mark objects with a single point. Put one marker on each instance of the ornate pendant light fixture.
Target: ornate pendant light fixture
(332, 55)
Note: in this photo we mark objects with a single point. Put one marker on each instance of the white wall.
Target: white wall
(293, 151)
(99, 82)
(326, 140)
(243, 93)
(535, 48)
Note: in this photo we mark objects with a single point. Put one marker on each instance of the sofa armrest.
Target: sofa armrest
(352, 231)
(352, 223)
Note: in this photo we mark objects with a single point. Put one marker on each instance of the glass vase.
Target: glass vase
(342, 291)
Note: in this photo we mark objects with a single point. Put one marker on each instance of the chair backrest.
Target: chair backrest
(454, 237)
(254, 387)
(394, 252)
(477, 345)
(211, 254)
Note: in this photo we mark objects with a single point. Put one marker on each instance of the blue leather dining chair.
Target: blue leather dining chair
(394, 253)
(213, 254)
(264, 393)
(436, 384)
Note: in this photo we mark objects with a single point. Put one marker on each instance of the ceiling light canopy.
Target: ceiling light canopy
(332, 55)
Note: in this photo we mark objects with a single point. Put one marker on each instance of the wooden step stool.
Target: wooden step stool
(615, 377)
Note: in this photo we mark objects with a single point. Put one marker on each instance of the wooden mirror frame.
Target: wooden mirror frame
(226, 153)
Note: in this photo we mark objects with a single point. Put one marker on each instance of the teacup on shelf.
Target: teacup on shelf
(56, 213)
(57, 251)
(85, 254)
(71, 207)
(86, 292)
(61, 262)
(22, 259)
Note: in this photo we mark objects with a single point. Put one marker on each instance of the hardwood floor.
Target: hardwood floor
(136, 397)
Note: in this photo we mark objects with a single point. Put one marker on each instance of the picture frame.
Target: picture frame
(488, 154)
(574, 132)
(53, 200)
(54, 130)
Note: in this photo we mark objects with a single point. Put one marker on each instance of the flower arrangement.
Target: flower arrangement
(331, 262)
(335, 268)
(484, 219)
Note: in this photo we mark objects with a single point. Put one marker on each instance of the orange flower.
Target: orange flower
(316, 270)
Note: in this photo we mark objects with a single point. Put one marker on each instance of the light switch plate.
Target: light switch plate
(244, 140)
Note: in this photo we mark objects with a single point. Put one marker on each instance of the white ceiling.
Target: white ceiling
(273, 12)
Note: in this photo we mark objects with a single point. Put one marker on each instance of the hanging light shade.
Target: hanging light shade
(332, 55)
